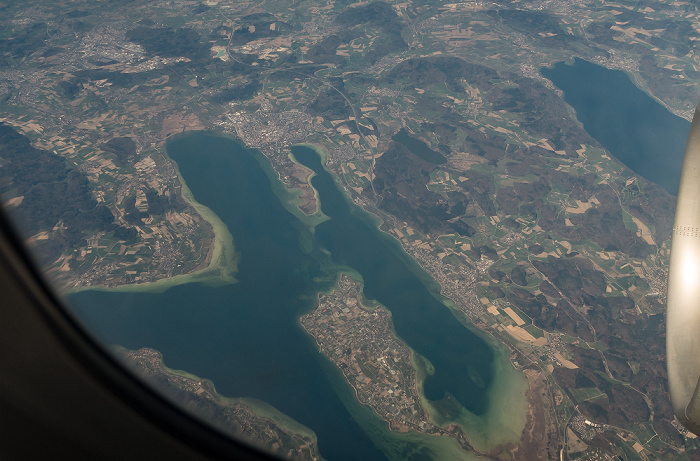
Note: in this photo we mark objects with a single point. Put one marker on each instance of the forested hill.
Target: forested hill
(45, 194)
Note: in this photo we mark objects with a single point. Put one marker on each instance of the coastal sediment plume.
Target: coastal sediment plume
(683, 305)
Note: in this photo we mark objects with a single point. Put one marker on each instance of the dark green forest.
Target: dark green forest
(52, 192)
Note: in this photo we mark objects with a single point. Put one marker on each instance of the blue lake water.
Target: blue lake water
(630, 124)
(246, 338)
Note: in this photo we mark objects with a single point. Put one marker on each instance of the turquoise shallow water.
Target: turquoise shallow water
(629, 123)
(245, 337)
(461, 359)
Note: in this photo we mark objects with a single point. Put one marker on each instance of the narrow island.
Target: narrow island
(361, 342)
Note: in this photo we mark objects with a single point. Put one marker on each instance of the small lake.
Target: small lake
(630, 124)
(246, 337)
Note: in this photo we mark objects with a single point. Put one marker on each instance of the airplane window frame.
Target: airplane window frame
(32, 306)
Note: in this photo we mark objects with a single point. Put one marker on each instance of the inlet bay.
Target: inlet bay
(246, 337)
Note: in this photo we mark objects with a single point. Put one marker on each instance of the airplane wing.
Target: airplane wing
(683, 302)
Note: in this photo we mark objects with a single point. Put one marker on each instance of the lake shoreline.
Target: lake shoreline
(220, 264)
(509, 384)
(639, 131)
(199, 327)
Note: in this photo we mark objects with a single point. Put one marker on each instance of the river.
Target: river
(246, 338)
(630, 124)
